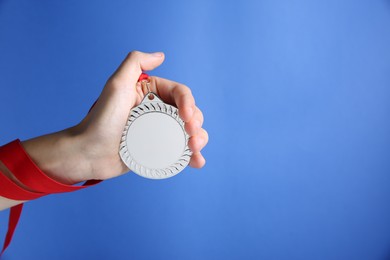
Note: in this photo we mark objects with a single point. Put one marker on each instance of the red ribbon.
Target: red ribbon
(143, 76)
(16, 159)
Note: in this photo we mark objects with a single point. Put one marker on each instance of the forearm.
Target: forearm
(55, 154)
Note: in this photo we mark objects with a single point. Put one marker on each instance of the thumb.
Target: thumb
(131, 68)
(119, 94)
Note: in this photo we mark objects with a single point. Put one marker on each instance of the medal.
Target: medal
(154, 143)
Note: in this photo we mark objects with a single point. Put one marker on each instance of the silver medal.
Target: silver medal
(154, 143)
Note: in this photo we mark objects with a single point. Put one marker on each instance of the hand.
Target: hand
(90, 150)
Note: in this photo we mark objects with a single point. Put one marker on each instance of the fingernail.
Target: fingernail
(157, 54)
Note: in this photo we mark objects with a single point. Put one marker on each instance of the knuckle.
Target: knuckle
(115, 84)
(200, 113)
(206, 135)
(182, 93)
(182, 90)
(187, 90)
(133, 54)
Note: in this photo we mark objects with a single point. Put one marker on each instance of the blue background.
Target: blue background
(296, 101)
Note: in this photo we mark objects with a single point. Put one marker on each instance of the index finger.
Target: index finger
(176, 94)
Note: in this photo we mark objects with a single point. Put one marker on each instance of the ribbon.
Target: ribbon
(16, 159)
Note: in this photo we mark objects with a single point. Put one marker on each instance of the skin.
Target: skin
(89, 150)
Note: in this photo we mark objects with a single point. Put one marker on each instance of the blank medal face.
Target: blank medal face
(154, 142)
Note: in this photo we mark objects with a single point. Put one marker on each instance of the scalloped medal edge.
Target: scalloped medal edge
(152, 106)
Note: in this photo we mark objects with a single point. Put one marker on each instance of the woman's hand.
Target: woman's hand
(90, 150)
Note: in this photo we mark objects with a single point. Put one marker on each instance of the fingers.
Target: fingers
(169, 91)
(181, 96)
(193, 126)
(199, 141)
(197, 160)
(185, 102)
(132, 66)
(176, 94)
